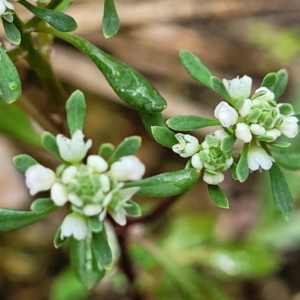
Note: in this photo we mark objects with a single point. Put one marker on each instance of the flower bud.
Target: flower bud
(188, 145)
(243, 132)
(289, 126)
(97, 163)
(74, 225)
(238, 88)
(213, 179)
(258, 158)
(226, 114)
(59, 194)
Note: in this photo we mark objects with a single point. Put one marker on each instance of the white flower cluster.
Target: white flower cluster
(93, 189)
(6, 10)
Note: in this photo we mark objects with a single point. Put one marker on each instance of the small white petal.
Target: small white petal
(188, 145)
(238, 88)
(228, 163)
(69, 174)
(243, 132)
(213, 179)
(59, 194)
(119, 217)
(246, 83)
(74, 225)
(196, 162)
(246, 108)
(257, 129)
(127, 193)
(98, 163)
(220, 135)
(273, 133)
(127, 168)
(258, 158)
(226, 114)
(289, 126)
(92, 209)
(266, 96)
(39, 178)
(74, 199)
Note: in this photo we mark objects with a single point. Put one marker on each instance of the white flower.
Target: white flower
(258, 158)
(59, 194)
(74, 225)
(127, 168)
(92, 209)
(39, 178)
(69, 174)
(188, 145)
(243, 132)
(238, 88)
(119, 213)
(246, 108)
(273, 133)
(267, 95)
(75, 149)
(226, 114)
(220, 135)
(4, 5)
(257, 129)
(74, 199)
(213, 179)
(97, 163)
(196, 162)
(289, 126)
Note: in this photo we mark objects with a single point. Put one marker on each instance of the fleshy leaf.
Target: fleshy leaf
(23, 161)
(10, 84)
(57, 241)
(95, 224)
(227, 143)
(280, 145)
(127, 83)
(281, 82)
(166, 184)
(57, 20)
(128, 147)
(195, 68)
(40, 205)
(189, 122)
(85, 262)
(12, 33)
(242, 170)
(106, 150)
(164, 136)
(76, 109)
(288, 159)
(281, 192)
(102, 250)
(133, 209)
(218, 196)
(49, 142)
(110, 21)
(152, 119)
(269, 80)
(219, 87)
(13, 219)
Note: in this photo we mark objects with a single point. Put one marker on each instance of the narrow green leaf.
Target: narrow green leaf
(281, 192)
(242, 170)
(106, 150)
(133, 209)
(218, 196)
(40, 205)
(76, 109)
(164, 136)
(166, 184)
(11, 32)
(269, 80)
(85, 262)
(102, 250)
(49, 142)
(233, 171)
(10, 83)
(190, 122)
(110, 21)
(227, 143)
(288, 159)
(128, 147)
(195, 68)
(57, 241)
(280, 145)
(152, 119)
(127, 83)
(57, 20)
(12, 219)
(218, 86)
(281, 82)
(23, 161)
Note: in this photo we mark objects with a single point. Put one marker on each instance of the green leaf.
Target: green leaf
(95, 224)
(40, 205)
(242, 170)
(164, 136)
(57, 241)
(57, 20)
(110, 21)
(166, 184)
(281, 192)
(106, 150)
(10, 84)
(49, 142)
(12, 219)
(269, 80)
(287, 159)
(227, 143)
(189, 122)
(127, 83)
(76, 109)
(195, 68)
(102, 250)
(218, 196)
(219, 87)
(23, 161)
(280, 145)
(281, 82)
(12, 33)
(128, 147)
(85, 262)
(152, 119)
(133, 209)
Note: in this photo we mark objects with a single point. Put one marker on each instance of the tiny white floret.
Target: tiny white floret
(213, 179)
(97, 162)
(267, 95)
(243, 132)
(188, 145)
(226, 114)
(258, 158)
(239, 88)
(246, 108)
(59, 194)
(289, 126)
(74, 225)
(196, 162)
(69, 174)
